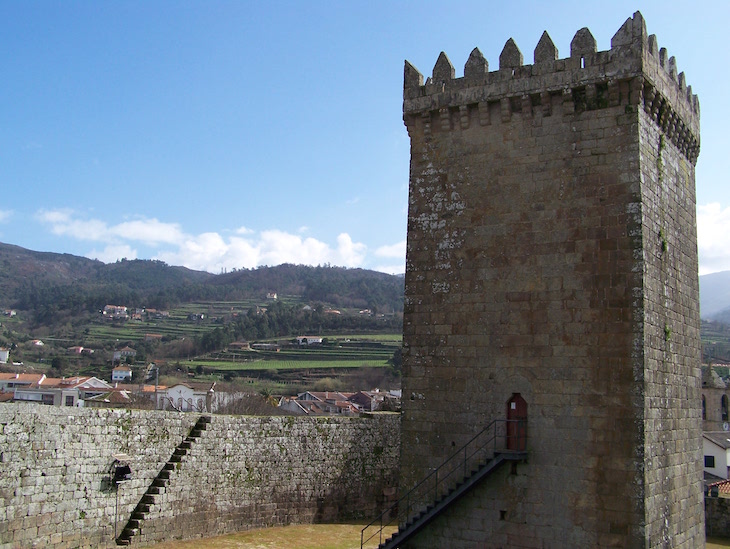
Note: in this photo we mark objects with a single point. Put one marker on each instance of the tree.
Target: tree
(58, 365)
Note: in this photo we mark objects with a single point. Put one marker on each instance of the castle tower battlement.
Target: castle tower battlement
(551, 264)
(633, 72)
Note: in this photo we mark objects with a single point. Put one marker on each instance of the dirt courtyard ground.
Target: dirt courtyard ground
(307, 536)
(304, 536)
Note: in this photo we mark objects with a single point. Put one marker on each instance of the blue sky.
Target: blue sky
(221, 135)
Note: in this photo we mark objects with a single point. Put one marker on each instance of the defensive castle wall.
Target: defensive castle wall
(243, 472)
(552, 255)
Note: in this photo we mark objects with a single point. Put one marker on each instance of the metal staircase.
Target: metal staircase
(157, 487)
(499, 442)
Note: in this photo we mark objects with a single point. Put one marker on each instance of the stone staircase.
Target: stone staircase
(417, 522)
(500, 442)
(159, 483)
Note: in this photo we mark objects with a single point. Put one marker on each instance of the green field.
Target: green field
(262, 365)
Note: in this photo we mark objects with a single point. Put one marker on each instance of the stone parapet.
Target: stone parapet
(56, 466)
(635, 71)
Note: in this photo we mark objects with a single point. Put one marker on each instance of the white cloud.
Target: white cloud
(110, 254)
(277, 247)
(713, 223)
(149, 231)
(5, 215)
(397, 250)
(63, 223)
(349, 253)
(208, 251)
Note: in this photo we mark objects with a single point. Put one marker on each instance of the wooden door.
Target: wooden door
(516, 423)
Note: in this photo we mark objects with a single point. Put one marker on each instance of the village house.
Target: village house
(320, 403)
(8, 382)
(115, 312)
(4, 355)
(716, 451)
(371, 401)
(186, 397)
(266, 347)
(117, 398)
(123, 353)
(309, 340)
(62, 392)
(122, 373)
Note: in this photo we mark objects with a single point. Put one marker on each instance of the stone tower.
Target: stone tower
(552, 258)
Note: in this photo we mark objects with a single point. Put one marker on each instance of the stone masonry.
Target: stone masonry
(552, 254)
(243, 472)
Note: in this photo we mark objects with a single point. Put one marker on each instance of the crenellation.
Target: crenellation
(511, 56)
(545, 51)
(443, 71)
(614, 71)
(672, 68)
(412, 78)
(583, 45)
(476, 66)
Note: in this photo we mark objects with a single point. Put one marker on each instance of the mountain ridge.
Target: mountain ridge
(49, 282)
(30, 278)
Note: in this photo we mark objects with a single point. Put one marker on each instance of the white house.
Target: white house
(122, 373)
(186, 397)
(716, 449)
(4, 355)
(69, 391)
(309, 340)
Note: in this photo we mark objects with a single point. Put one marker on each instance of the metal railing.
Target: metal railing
(501, 435)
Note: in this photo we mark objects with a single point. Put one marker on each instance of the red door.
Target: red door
(516, 423)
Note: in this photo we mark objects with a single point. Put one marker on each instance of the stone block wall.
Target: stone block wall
(552, 253)
(717, 517)
(243, 472)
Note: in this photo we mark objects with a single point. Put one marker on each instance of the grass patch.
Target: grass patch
(303, 536)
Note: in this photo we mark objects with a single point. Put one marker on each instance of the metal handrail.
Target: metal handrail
(478, 450)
